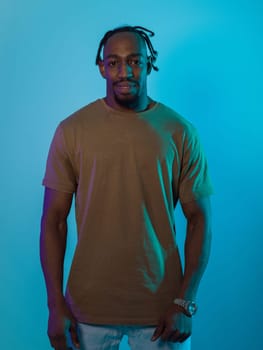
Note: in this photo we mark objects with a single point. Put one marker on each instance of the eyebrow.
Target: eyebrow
(129, 56)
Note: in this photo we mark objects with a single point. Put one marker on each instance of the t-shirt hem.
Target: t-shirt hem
(117, 321)
(57, 187)
(196, 196)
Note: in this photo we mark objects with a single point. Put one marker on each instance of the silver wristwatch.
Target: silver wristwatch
(189, 307)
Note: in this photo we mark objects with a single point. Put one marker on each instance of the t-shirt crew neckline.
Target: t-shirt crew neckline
(122, 113)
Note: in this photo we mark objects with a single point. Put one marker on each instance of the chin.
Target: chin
(126, 100)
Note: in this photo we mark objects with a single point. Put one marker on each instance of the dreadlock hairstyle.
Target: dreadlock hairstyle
(144, 33)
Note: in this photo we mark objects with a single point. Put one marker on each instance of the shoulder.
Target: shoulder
(83, 116)
(176, 123)
(72, 128)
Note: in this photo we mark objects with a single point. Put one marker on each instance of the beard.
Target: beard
(127, 101)
(126, 93)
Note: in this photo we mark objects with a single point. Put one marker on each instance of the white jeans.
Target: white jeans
(96, 337)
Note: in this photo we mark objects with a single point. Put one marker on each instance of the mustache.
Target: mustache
(125, 81)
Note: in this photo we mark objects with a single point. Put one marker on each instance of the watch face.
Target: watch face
(192, 308)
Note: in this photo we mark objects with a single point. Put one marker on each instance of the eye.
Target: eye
(112, 63)
(134, 62)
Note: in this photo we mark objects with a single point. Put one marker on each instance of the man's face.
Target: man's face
(124, 67)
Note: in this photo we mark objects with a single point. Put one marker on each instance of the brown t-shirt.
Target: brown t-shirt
(127, 171)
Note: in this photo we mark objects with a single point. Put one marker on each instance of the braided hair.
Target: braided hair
(144, 33)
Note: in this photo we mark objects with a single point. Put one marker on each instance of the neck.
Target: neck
(139, 105)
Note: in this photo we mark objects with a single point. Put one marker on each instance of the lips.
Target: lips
(125, 86)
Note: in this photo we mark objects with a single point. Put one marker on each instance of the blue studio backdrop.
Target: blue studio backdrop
(210, 60)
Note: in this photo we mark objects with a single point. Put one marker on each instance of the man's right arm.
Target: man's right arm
(53, 239)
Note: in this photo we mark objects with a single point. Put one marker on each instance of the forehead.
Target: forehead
(124, 44)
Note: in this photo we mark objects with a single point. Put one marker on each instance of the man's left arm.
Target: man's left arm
(197, 245)
(175, 325)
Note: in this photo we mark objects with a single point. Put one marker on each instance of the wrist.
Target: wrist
(188, 307)
(187, 293)
(56, 302)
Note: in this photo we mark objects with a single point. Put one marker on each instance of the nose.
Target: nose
(124, 70)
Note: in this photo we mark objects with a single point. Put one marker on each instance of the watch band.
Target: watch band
(181, 302)
(190, 307)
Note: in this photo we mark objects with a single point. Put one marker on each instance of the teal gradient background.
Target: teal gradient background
(210, 60)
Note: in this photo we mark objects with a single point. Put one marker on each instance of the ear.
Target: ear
(149, 65)
(102, 69)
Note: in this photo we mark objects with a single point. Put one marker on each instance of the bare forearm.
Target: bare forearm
(197, 251)
(52, 251)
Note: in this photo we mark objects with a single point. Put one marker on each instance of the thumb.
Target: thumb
(158, 331)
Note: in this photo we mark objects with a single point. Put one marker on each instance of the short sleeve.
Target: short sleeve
(194, 181)
(59, 174)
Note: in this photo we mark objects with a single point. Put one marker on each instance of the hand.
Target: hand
(61, 320)
(174, 326)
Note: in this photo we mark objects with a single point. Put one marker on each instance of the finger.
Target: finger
(183, 337)
(175, 336)
(158, 331)
(74, 334)
(58, 342)
(166, 334)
